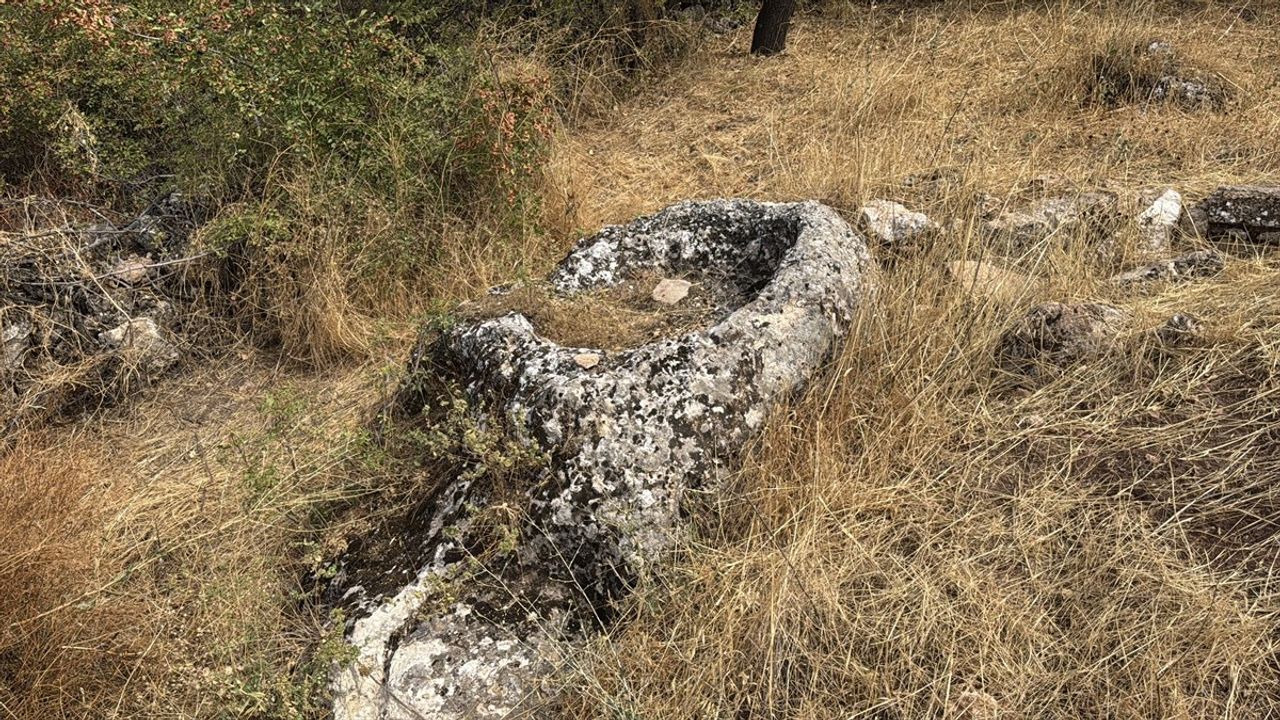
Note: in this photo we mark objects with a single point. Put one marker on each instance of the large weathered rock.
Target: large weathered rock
(1252, 210)
(629, 436)
(1059, 334)
(1199, 264)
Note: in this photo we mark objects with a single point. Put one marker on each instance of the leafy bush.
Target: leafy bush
(323, 119)
(335, 142)
(218, 91)
(215, 90)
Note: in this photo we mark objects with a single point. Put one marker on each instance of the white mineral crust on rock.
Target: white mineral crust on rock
(1158, 222)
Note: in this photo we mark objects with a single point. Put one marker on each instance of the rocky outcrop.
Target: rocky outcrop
(1059, 334)
(629, 433)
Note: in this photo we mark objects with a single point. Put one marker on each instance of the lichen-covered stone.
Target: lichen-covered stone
(1252, 210)
(891, 223)
(628, 437)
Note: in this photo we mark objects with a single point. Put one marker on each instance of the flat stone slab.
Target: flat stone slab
(671, 291)
(628, 435)
(1253, 210)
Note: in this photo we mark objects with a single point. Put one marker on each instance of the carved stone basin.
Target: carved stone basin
(627, 437)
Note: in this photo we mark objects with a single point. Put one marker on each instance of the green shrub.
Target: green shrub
(338, 144)
(214, 90)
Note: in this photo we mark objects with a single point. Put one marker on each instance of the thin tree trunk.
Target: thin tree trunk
(772, 24)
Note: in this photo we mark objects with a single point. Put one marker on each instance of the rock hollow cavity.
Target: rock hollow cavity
(628, 435)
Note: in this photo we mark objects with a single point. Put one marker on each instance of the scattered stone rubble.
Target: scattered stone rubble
(87, 311)
(629, 434)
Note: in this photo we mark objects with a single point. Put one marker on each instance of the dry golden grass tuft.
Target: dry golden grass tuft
(165, 549)
(623, 316)
(59, 652)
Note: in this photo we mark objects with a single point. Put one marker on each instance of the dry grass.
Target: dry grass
(860, 102)
(918, 536)
(57, 651)
(917, 527)
(165, 549)
(615, 318)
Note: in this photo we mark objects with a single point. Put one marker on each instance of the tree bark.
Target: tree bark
(772, 24)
